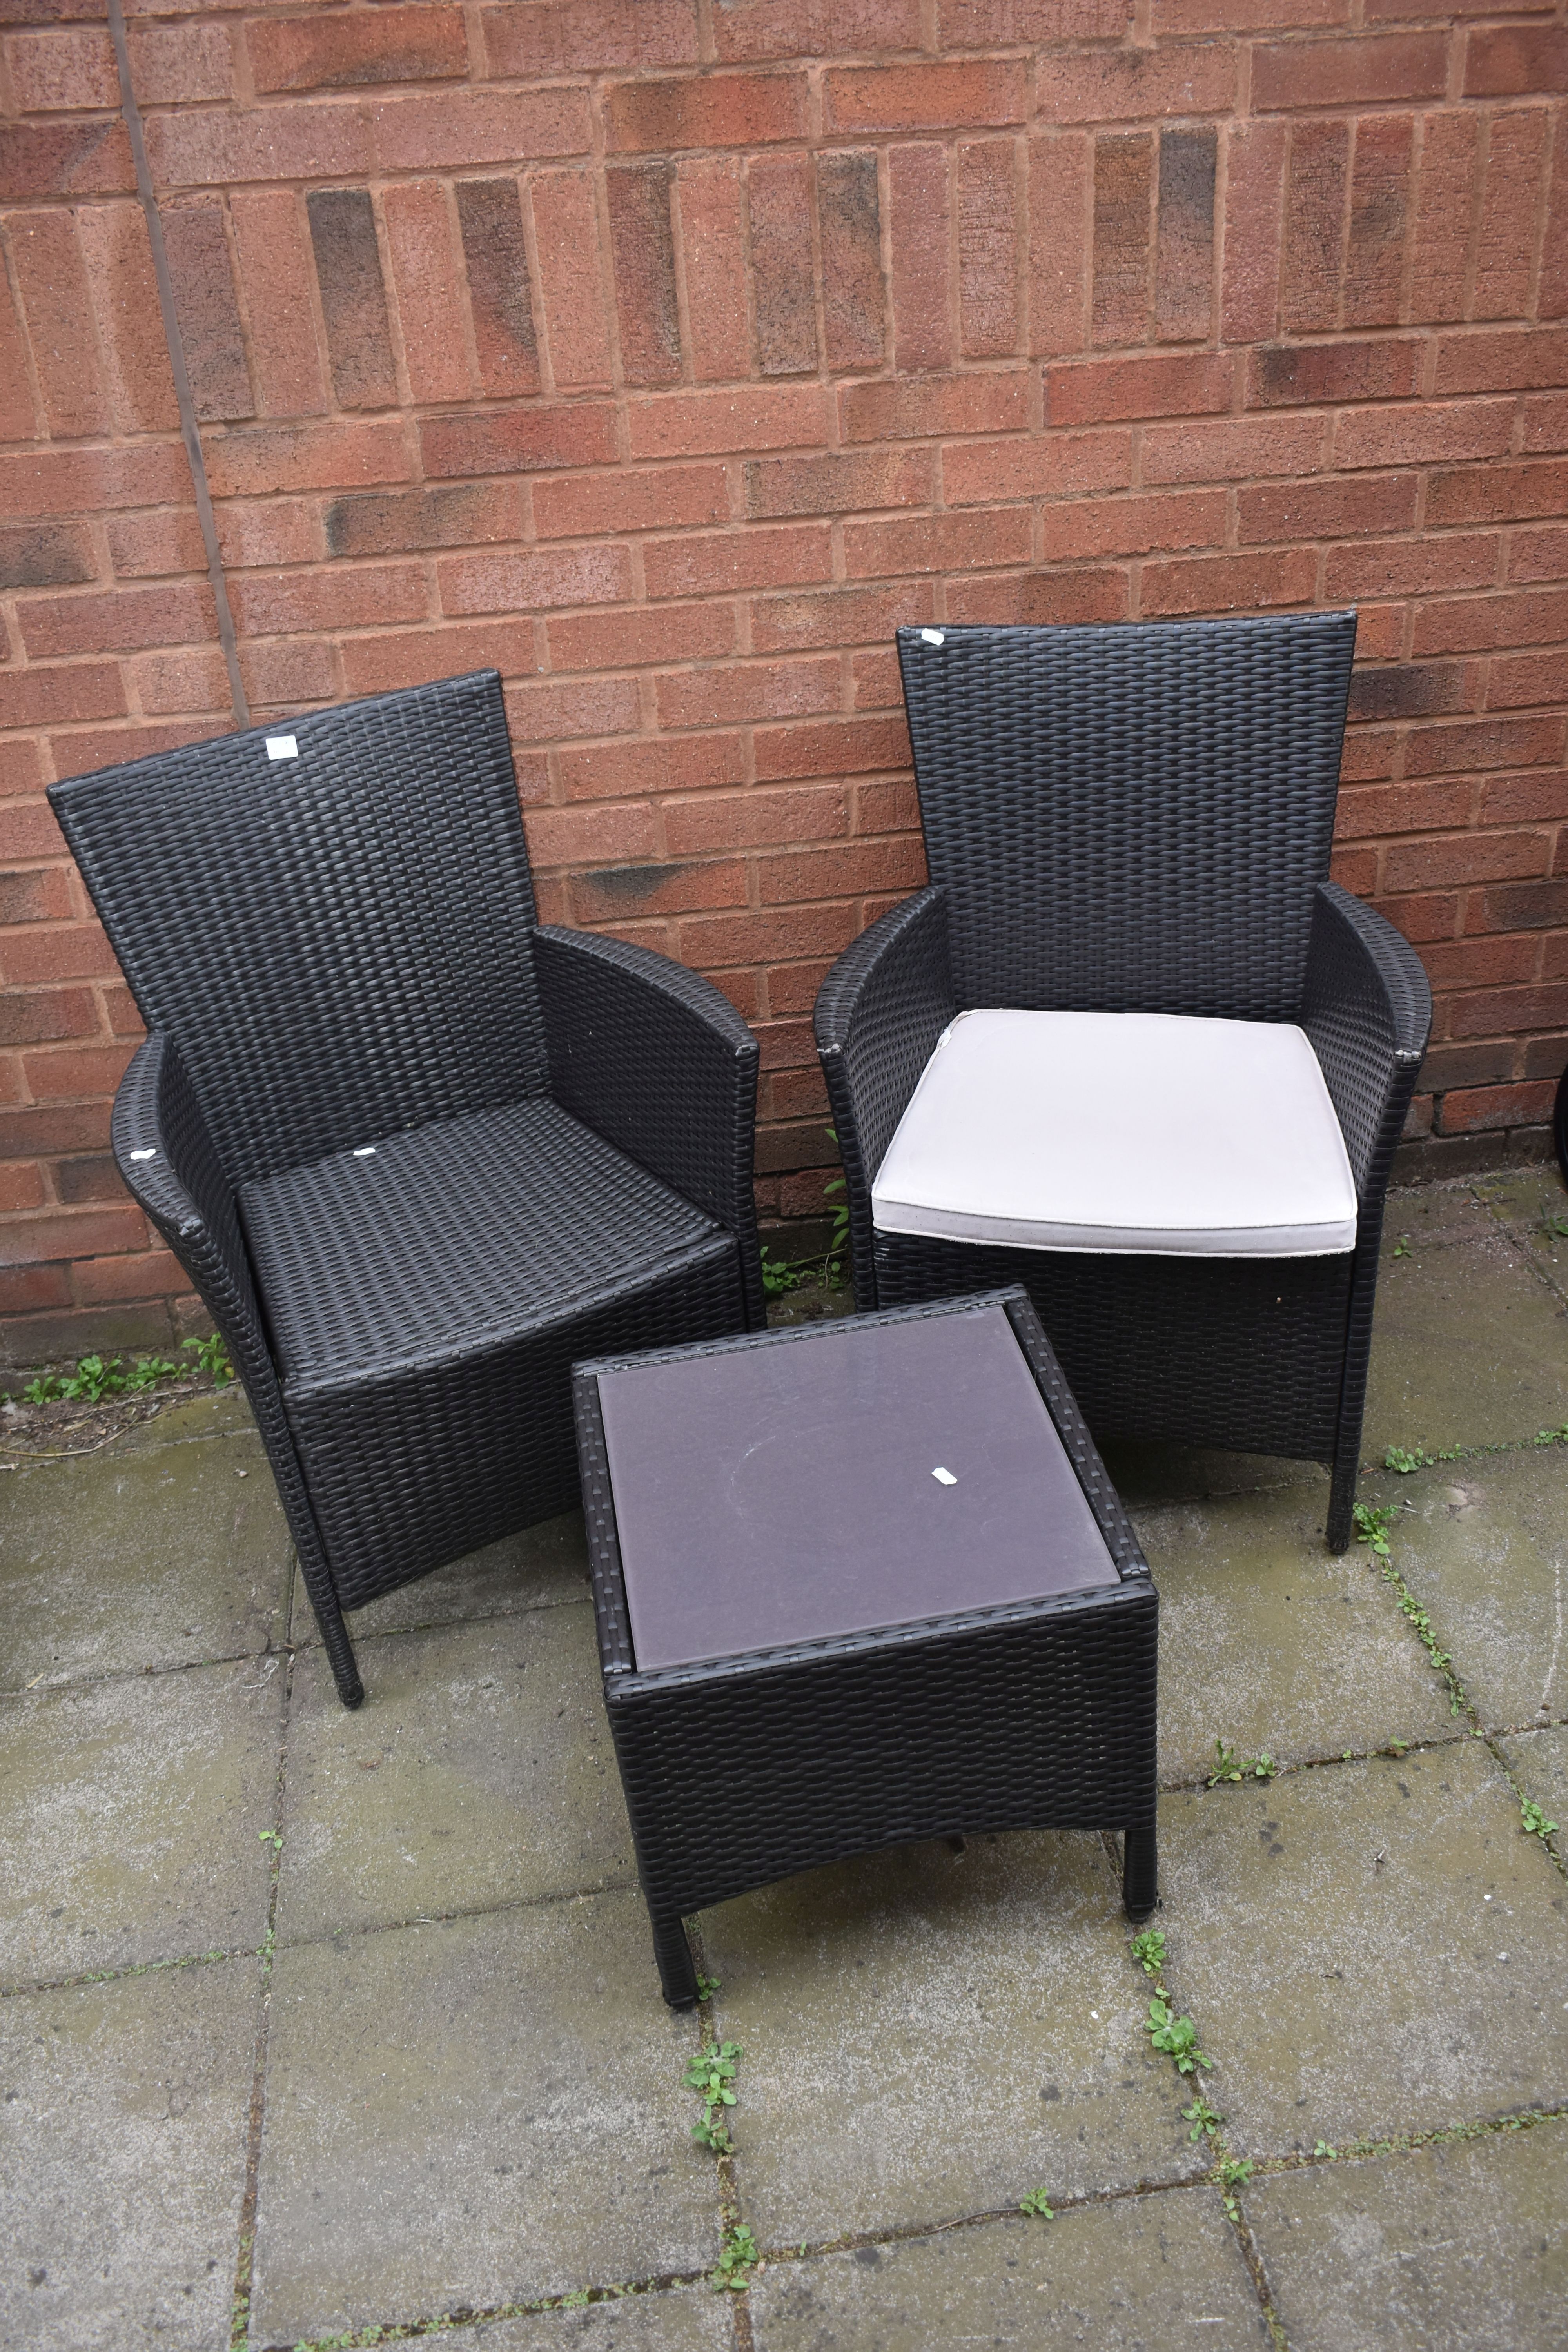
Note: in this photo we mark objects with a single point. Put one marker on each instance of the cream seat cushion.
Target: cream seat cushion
(1122, 1131)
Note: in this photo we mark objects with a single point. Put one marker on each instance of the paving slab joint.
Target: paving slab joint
(272, 1837)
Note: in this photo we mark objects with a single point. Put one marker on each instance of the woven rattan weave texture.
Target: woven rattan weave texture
(1139, 819)
(745, 1769)
(356, 1028)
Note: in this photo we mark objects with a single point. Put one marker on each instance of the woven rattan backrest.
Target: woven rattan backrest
(337, 941)
(1131, 819)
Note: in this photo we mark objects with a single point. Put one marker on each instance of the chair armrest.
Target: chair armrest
(169, 1165)
(1367, 1008)
(656, 1060)
(878, 1015)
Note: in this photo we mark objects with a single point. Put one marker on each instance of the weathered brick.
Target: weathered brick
(1282, 375)
(1552, 291)
(1136, 85)
(210, 331)
(1254, 227)
(17, 418)
(1510, 359)
(1036, 599)
(1002, 23)
(1444, 213)
(1479, 963)
(250, 531)
(753, 555)
(1506, 232)
(423, 249)
(723, 109)
(712, 249)
(1233, 449)
(489, 215)
(535, 580)
(1172, 17)
(1123, 194)
(1411, 567)
(747, 691)
(550, 37)
(1496, 493)
(117, 621)
(1379, 215)
(643, 634)
(1134, 525)
(56, 952)
(570, 504)
(919, 273)
(1496, 1009)
(1228, 583)
(1545, 422)
(686, 424)
(1484, 743)
(333, 50)
(40, 1015)
(925, 96)
(1406, 689)
(1368, 69)
(571, 284)
(1047, 465)
(1524, 678)
(813, 28)
(287, 672)
(1538, 795)
(838, 870)
(353, 297)
(123, 298)
(988, 400)
(1465, 857)
(58, 310)
(1538, 554)
(853, 295)
(1485, 624)
(831, 747)
(1105, 391)
(755, 818)
(217, 147)
(87, 158)
(67, 1233)
(939, 542)
(516, 440)
(1183, 268)
(576, 836)
(55, 696)
(987, 247)
(463, 130)
(837, 617)
(192, 680)
(273, 243)
(354, 596)
(21, 1187)
(173, 64)
(1521, 907)
(1516, 61)
(1471, 1110)
(1422, 433)
(1061, 203)
(39, 894)
(778, 192)
(72, 69)
(1314, 226)
(557, 709)
(642, 247)
(657, 764)
(374, 664)
(44, 555)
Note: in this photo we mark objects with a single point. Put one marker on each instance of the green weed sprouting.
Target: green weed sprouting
(710, 2073)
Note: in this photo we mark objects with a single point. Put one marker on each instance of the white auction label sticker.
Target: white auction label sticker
(282, 747)
(944, 1478)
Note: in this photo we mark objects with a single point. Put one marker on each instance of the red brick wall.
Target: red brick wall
(667, 352)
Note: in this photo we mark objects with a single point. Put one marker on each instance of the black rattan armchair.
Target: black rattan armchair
(416, 1152)
(1136, 821)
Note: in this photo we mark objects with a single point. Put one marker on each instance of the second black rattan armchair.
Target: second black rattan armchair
(416, 1151)
(1132, 1048)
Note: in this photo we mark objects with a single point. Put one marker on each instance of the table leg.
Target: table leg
(676, 1973)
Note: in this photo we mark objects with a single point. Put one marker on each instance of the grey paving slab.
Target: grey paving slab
(1539, 1758)
(1531, 1206)
(1138, 2275)
(1484, 1547)
(152, 1556)
(668, 2319)
(131, 1816)
(530, 1570)
(1434, 1216)
(210, 1412)
(1470, 1347)
(929, 2034)
(1367, 1949)
(471, 2113)
(1269, 1642)
(122, 2161)
(1457, 2248)
(479, 1771)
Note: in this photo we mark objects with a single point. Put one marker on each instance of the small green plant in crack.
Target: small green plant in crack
(212, 1357)
(1558, 1436)
(272, 1837)
(1372, 1522)
(1038, 2204)
(1406, 1458)
(710, 2074)
(1402, 1247)
(778, 1279)
(738, 2257)
(1228, 1766)
(1149, 1950)
(1204, 2120)
(577, 2301)
(1533, 1820)
(1553, 1223)
(1233, 2174)
(1176, 2036)
(1322, 2148)
(707, 1986)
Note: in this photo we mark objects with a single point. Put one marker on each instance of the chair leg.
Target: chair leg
(340, 1651)
(1342, 1497)
(677, 1974)
(1140, 1871)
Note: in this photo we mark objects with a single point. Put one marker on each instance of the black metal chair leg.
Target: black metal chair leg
(1140, 1871)
(340, 1652)
(677, 1974)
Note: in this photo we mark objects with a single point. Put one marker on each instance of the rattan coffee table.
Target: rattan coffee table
(858, 1584)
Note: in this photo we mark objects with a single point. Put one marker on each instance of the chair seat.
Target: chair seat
(1134, 1132)
(447, 1237)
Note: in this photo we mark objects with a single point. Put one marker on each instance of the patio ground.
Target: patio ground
(317, 2024)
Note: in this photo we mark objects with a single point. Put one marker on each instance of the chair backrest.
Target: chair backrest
(1130, 818)
(337, 940)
